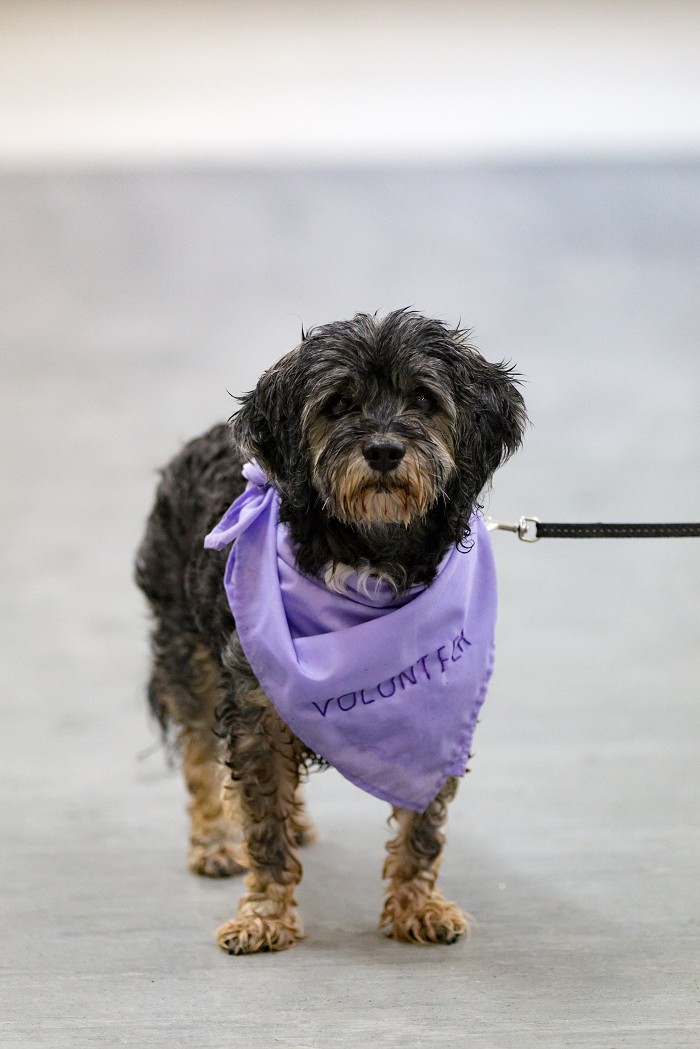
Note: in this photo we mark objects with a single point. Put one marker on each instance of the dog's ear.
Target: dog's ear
(257, 419)
(267, 426)
(490, 423)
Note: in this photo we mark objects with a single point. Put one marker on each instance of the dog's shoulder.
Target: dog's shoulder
(203, 479)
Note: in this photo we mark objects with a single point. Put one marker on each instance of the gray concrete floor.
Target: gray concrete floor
(129, 304)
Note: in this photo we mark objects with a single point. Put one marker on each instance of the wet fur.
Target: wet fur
(403, 377)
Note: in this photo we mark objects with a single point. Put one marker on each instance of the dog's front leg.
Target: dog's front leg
(264, 757)
(415, 910)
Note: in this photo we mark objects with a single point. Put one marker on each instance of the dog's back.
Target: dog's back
(181, 580)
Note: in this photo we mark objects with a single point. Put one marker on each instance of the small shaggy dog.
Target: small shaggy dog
(367, 448)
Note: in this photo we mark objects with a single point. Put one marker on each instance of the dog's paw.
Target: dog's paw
(433, 919)
(219, 859)
(260, 925)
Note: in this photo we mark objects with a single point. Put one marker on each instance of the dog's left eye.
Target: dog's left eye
(338, 405)
(423, 401)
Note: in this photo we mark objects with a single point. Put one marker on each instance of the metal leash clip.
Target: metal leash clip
(522, 528)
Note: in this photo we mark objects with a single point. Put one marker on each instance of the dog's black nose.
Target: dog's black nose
(383, 454)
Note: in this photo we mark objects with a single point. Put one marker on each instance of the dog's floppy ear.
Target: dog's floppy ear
(257, 419)
(267, 426)
(498, 418)
(490, 424)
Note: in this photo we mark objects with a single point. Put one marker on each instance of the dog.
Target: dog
(376, 437)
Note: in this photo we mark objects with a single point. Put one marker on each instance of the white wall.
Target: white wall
(359, 80)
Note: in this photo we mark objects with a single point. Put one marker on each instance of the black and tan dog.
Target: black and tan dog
(379, 435)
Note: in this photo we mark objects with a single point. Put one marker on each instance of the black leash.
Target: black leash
(531, 530)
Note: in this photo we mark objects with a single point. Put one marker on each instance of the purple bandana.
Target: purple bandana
(386, 689)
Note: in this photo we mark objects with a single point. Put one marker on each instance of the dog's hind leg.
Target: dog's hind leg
(415, 911)
(216, 847)
(185, 690)
(265, 759)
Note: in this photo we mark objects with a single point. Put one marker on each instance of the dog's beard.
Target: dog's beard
(358, 495)
(365, 498)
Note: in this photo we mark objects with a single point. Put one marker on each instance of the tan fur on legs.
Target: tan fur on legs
(267, 772)
(216, 847)
(415, 911)
(301, 826)
(215, 833)
(267, 920)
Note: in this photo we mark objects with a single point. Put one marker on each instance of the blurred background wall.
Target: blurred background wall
(308, 81)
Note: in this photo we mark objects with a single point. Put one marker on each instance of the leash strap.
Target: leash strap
(531, 530)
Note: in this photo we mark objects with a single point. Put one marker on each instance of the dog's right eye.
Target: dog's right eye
(338, 405)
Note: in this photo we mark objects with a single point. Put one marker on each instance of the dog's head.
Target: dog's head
(383, 420)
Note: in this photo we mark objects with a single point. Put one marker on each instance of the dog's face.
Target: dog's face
(380, 430)
(381, 420)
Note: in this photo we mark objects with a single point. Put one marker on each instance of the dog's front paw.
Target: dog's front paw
(219, 859)
(262, 924)
(430, 919)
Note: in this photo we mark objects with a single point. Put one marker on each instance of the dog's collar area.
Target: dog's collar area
(347, 581)
(362, 586)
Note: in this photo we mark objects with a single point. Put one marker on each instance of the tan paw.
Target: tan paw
(432, 920)
(218, 859)
(251, 932)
